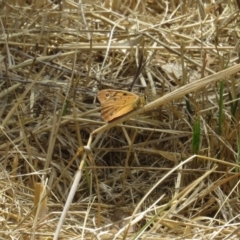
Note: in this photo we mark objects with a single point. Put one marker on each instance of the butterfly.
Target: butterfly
(116, 103)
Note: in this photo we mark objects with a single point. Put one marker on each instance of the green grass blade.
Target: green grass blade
(196, 136)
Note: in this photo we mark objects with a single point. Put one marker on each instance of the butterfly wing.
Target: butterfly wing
(110, 112)
(116, 103)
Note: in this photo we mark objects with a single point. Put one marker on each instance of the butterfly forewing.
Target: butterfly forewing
(116, 103)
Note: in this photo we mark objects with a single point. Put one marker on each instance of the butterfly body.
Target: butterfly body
(116, 103)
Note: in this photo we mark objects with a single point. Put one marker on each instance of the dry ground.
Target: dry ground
(166, 171)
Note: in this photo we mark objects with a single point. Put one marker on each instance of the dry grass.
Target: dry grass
(166, 171)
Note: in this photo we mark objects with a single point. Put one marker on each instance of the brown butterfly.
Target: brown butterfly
(116, 103)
